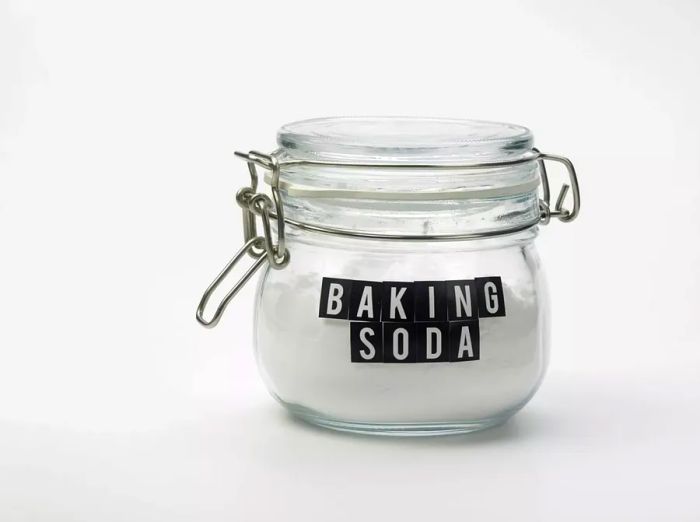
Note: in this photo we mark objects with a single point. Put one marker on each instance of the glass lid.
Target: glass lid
(376, 139)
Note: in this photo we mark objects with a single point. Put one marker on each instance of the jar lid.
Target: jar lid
(441, 175)
(403, 140)
(402, 158)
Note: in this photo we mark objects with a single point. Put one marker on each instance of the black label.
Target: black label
(335, 298)
(366, 343)
(430, 303)
(399, 343)
(366, 301)
(397, 302)
(462, 300)
(432, 342)
(464, 340)
(413, 321)
(490, 294)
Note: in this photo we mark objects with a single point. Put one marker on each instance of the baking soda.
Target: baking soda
(307, 360)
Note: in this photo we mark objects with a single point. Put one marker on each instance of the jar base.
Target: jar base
(397, 429)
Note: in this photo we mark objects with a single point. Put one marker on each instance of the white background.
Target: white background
(117, 126)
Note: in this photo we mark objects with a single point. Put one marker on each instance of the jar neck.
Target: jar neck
(444, 204)
(326, 240)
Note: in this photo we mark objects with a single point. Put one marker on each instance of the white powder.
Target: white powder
(305, 359)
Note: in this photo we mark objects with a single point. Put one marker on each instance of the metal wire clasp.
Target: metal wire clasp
(562, 214)
(259, 205)
(254, 204)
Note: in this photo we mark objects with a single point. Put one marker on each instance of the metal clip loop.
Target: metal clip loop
(562, 214)
(246, 249)
(253, 204)
(270, 162)
(260, 205)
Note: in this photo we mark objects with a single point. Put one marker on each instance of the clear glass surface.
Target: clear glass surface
(305, 360)
(404, 139)
(425, 201)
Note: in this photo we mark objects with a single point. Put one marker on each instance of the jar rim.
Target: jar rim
(397, 139)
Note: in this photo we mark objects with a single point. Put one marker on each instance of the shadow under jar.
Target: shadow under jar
(403, 293)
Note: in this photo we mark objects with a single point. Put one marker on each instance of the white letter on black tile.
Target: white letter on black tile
(433, 352)
(432, 342)
(490, 293)
(464, 340)
(465, 343)
(366, 342)
(399, 343)
(370, 352)
(335, 298)
(395, 303)
(430, 302)
(335, 294)
(400, 349)
(462, 299)
(366, 303)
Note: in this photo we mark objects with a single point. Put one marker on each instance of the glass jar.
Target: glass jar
(403, 293)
